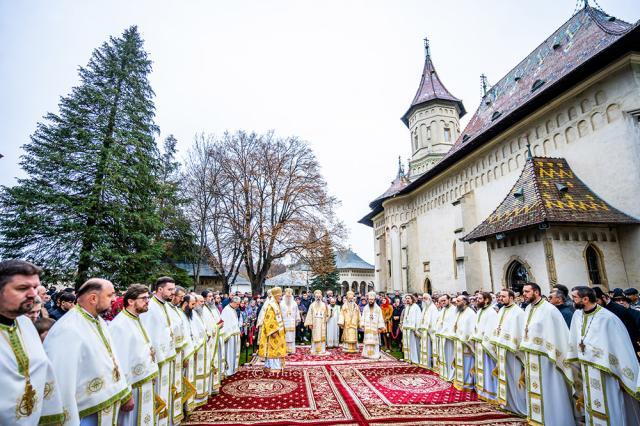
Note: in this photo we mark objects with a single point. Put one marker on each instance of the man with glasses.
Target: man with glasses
(136, 355)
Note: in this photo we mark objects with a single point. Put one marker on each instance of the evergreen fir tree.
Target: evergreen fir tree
(88, 205)
(323, 267)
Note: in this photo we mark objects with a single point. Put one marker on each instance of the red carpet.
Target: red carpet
(344, 389)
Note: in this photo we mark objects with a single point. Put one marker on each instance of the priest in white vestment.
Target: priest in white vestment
(485, 352)
(231, 336)
(187, 367)
(210, 328)
(349, 321)
(90, 377)
(260, 318)
(426, 328)
(135, 353)
(202, 366)
(444, 331)
(410, 333)
(372, 324)
(333, 330)
(182, 342)
(27, 375)
(291, 318)
(157, 322)
(316, 320)
(463, 328)
(216, 358)
(600, 348)
(545, 344)
(512, 391)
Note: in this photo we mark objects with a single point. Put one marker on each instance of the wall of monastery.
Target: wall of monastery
(593, 126)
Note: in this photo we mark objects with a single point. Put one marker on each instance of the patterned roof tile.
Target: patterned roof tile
(548, 191)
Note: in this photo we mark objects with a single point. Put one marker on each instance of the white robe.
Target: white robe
(291, 317)
(231, 338)
(485, 354)
(372, 322)
(462, 333)
(134, 351)
(446, 349)
(91, 380)
(512, 391)
(202, 367)
(157, 323)
(187, 368)
(427, 335)
(549, 380)
(21, 341)
(179, 327)
(410, 333)
(317, 316)
(599, 345)
(210, 328)
(216, 358)
(333, 330)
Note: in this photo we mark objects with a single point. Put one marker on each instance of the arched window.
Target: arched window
(517, 276)
(595, 265)
(427, 286)
(363, 288)
(447, 134)
(345, 287)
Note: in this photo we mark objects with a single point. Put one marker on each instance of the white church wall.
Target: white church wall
(589, 126)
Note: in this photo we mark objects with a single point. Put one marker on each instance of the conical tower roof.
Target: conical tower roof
(431, 88)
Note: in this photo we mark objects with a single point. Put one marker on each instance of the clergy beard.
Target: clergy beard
(199, 310)
(460, 308)
(188, 312)
(371, 303)
(578, 305)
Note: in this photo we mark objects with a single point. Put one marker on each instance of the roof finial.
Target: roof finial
(529, 154)
(400, 167)
(484, 84)
(427, 53)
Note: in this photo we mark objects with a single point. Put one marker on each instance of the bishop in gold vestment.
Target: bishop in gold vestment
(348, 322)
(272, 343)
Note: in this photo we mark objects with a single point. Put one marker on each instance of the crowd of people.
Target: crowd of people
(92, 356)
(87, 356)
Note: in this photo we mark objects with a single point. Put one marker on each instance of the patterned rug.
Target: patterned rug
(335, 356)
(347, 390)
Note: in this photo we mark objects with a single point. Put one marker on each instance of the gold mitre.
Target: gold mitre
(317, 292)
(276, 291)
(350, 293)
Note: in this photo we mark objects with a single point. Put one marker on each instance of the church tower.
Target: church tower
(433, 120)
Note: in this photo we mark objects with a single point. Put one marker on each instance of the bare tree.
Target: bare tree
(214, 238)
(275, 197)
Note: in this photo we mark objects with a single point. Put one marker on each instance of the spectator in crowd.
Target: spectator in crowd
(35, 311)
(65, 301)
(559, 299)
(43, 325)
(632, 295)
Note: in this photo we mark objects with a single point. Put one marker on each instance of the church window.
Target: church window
(429, 132)
(517, 276)
(415, 141)
(536, 85)
(447, 134)
(595, 267)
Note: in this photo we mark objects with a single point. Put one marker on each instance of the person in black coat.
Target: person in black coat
(629, 317)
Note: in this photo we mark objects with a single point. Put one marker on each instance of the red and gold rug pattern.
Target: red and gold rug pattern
(298, 395)
(303, 356)
(395, 392)
(347, 390)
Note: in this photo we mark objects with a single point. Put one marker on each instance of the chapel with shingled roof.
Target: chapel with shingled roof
(541, 185)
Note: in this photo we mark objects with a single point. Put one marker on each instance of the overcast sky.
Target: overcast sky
(338, 74)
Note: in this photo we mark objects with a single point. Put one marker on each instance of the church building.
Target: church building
(543, 183)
